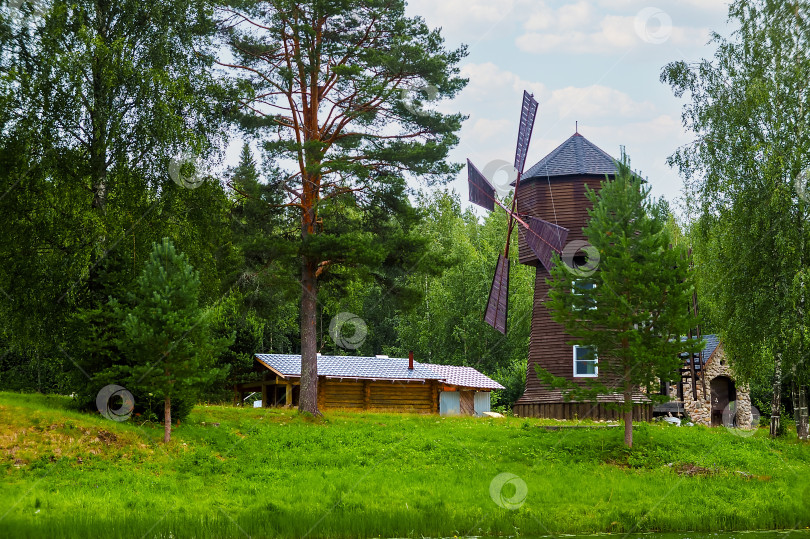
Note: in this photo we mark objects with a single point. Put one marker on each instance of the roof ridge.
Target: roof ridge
(575, 156)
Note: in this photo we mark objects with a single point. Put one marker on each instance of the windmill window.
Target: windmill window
(585, 362)
(581, 287)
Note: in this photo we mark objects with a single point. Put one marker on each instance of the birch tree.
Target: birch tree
(747, 170)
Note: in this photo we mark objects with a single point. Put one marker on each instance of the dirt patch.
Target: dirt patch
(691, 470)
(107, 437)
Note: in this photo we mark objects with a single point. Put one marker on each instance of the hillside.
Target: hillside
(266, 473)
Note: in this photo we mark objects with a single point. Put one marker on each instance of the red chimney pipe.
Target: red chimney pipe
(410, 360)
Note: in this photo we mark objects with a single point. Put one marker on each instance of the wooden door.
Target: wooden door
(722, 393)
(467, 402)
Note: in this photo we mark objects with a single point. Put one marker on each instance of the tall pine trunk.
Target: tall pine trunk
(776, 401)
(167, 420)
(308, 396)
(800, 410)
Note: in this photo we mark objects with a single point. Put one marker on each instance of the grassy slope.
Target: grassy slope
(267, 473)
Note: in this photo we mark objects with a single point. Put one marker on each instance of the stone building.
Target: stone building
(720, 400)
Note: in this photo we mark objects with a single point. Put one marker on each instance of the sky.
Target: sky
(596, 62)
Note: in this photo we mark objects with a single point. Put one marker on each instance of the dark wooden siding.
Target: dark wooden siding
(547, 344)
(560, 201)
(580, 410)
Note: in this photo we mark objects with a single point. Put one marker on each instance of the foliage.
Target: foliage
(513, 378)
(747, 180)
(97, 100)
(167, 336)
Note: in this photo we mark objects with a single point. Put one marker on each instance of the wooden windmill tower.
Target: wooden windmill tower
(555, 186)
(551, 208)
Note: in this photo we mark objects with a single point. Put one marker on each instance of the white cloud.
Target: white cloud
(578, 29)
(597, 101)
(485, 129)
(489, 82)
(468, 20)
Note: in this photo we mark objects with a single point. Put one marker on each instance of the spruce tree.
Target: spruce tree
(170, 347)
(628, 305)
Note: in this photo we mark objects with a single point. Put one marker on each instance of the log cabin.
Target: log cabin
(379, 384)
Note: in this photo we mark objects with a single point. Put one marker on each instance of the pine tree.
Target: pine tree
(168, 338)
(338, 95)
(628, 305)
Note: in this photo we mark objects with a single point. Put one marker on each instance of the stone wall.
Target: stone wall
(700, 411)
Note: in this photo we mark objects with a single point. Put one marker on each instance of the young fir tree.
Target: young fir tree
(167, 334)
(628, 307)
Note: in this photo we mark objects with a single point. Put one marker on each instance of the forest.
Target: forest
(335, 232)
(106, 153)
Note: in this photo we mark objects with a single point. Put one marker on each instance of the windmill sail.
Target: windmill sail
(544, 239)
(527, 113)
(481, 191)
(498, 301)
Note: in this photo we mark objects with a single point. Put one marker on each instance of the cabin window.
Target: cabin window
(582, 287)
(585, 362)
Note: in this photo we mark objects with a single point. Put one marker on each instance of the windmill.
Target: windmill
(542, 237)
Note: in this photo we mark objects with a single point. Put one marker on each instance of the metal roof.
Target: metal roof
(464, 377)
(376, 368)
(575, 156)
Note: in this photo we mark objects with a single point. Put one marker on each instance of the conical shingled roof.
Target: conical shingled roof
(574, 157)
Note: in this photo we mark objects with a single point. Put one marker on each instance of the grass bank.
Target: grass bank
(232, 472)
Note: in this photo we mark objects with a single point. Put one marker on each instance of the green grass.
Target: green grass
(270, 473)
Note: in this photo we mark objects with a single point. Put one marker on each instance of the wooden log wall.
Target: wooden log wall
(415, 397)
(337, 394)
(401, 397)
